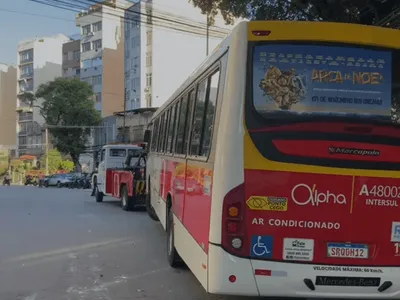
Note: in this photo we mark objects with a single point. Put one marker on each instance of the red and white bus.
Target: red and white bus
(275, 167)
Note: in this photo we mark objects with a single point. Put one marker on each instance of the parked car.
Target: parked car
(58, 180)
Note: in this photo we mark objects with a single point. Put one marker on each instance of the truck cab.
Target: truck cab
(112, 157)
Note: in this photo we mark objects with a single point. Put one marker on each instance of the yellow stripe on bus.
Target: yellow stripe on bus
(325, 32)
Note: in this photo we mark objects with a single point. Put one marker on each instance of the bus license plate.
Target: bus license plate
(347, 250)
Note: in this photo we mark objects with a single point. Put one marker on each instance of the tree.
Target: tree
(66, 102)
(366, 12)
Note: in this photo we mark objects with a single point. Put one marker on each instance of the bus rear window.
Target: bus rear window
(117, 152)
(299, 81)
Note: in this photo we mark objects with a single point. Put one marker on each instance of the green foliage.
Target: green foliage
(57, 162)
(349, 11)
(67, 165)
(67, 102)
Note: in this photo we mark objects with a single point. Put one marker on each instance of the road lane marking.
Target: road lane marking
(66, 251)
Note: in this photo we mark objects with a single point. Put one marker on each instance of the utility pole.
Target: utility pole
(124, 120)
(47, 150)
(207, 33)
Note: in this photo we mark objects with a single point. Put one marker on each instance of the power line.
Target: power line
(35, 15)
(161, 26)
(217, 33)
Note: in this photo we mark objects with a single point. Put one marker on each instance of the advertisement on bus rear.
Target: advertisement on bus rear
(310, 79)
(319, 218)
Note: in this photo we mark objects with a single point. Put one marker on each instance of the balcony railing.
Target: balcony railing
(26, 75)
(26, 60)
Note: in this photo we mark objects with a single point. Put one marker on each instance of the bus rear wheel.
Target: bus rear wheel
(149, 208)
(174, 260)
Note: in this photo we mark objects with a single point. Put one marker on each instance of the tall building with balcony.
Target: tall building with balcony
(8, 80)
(71, 60)
(164, 44)
(102, 53)
(39, 61)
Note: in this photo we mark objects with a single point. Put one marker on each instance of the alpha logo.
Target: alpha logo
(267, 203)
(353, 151)
(303, 194)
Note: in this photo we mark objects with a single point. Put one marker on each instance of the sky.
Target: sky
(27, 20)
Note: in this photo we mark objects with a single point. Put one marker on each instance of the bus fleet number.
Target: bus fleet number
(380, 191)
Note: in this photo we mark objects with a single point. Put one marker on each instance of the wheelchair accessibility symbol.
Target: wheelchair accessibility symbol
(261, 246)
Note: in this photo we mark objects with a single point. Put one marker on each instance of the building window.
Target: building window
(149, 36)
(97, 26)
(97, 97)
(85, 47)
(97, 80)
(65, 56)
(22, 140)
(148, 15)
(86, 29)
(27, 70)
(65, 71)
(96, 44)
(148, 79)
(77, 71)
(26, 55)
(76, 55)
(86, 63)
(96, 62)
(148, 59)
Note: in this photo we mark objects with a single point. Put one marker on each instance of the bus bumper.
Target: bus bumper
(281, 279)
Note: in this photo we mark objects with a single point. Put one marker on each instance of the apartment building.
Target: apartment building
(39, 61)
(102, 53)
(164, 43)
(71, 61)
(8, 117)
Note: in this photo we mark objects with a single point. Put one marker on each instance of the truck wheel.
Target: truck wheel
(127, 202)
(99, 195)
(174, 260)
(150, 209)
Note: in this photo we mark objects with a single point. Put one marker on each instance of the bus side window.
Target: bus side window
(180, 137)
(188, 122)
(154, 138)
(198, 118)
(177, 119)
(211, 104)
(171, 128)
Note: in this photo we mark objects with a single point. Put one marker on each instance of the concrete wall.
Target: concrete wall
(71, 64)
(8, 115)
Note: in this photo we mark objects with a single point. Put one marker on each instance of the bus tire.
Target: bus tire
(149, 208)
(174, 260)
(127, 202)
(99, 196)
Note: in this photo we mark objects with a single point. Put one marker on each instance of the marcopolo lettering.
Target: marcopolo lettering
(315, 197)
(304, 224)
(353, 151)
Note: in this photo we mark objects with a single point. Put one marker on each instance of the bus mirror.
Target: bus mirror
(147, 135)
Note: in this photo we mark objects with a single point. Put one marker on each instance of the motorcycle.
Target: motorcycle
(6, 181)
(30, 180)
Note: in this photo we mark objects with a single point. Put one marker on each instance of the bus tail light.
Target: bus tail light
(234, 233)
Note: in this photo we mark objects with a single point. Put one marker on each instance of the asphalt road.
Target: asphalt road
(58, 244)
